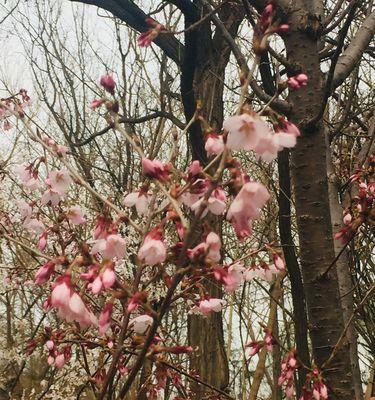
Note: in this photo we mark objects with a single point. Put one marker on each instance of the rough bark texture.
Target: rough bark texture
(202, 80)
(312, 206)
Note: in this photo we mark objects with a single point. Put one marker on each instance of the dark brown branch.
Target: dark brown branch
(157, 114)
(133, 16)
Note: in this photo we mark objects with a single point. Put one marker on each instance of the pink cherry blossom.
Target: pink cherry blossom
(108, 278)
(146, 38)
(139, 199)
(44, 273)
(50, 197)
(214, 144)
(246, 207)
(26, 176)
(97, 285)
(96, 103)
(24, 208)
(347, 219)
(215, 204)
(234, 278)
(194, 169)
(59, 181)
(245, 131)
(76, 216)
(108, 83)
(297, 81)
(216, 305)
(105, 318)
(153, 250)
(112, 246)
(34, 225)
(210, 249)
(60, 361)
(140, 324)
(155, 169)
(50, 345)
(42, 243)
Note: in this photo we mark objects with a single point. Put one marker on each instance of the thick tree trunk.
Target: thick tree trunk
(309, 171)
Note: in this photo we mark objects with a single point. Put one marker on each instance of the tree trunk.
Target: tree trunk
(202, 80)
(309, 171)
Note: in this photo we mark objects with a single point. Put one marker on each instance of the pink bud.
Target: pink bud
(108, 83)
(108, 278)
(50, 345)
(60, 361)
(96, 103)
(283, 28)
(50, 360)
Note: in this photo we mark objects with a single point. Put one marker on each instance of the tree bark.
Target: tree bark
(312, 205)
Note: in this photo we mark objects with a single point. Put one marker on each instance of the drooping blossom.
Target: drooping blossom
(105, 318)
(69, 303)
(24, 208)
(59, 181)
(139, 199)
(214, 144)
(146, 38)
(194, 169)
(50, 197)
(263, 271)
(155, 169)
(215, 203)
(212, 304)
(288, 127)
(347, 219)
(209, 249)
(141, 323)
(153, 250)
(234, 277)
(249, 132)
(112, 246)
(288, 368)
(44, 272)
(245, 131)
(96, 103)
(27, 176)
(297, 81)
(42, 242)
(246, 207)
(76, 216)
(34, 225)
(102, 281)
(108, 83)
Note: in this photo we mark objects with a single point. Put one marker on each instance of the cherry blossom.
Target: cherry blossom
(108, 84)
(209, 249)
(76, 216)
(59, 180)
(297, 81)
(214, 144)
(216, 305)
(139, 199)
(105, 318)
(155, 169)
(153, 250)
(246, 207)
(141, 323)
(112, 246)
